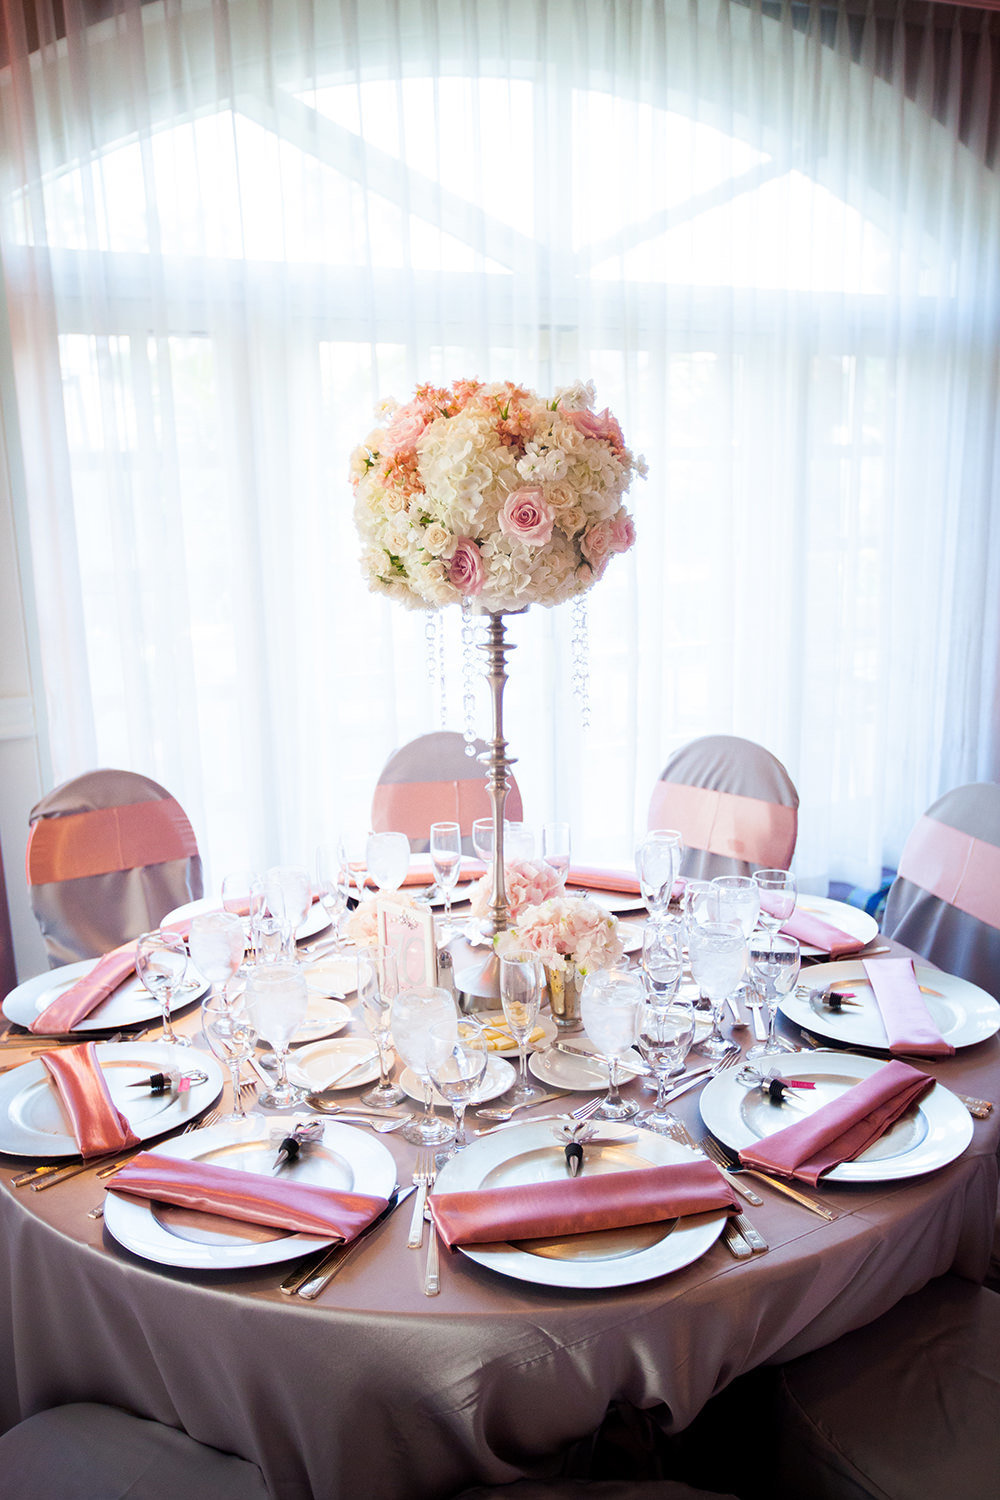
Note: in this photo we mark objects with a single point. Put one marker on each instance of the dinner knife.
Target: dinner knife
(598, 1062)
(309, 1266)
(328, 1267)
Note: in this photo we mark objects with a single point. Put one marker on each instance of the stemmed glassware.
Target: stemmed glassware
(293, 887)
(482, 839)
(775, 961)
(276, 999)
(662, 960)
(236, 888)
(414, 1012)
(388, 859)
(218, 944)
(778, 889)
(520, 996)
(353, 847)
(333, 886)
(736, 899)
(556, 844)
(457, 1062)
(698, 903)
(718, 958)
(611, 1010)
(231, 1035)
(161, 960)
(446, 862)
(268, 926)
(666, 1031)
(377, 986)
(658, 864)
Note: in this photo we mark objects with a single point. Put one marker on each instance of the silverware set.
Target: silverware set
(739, 1236)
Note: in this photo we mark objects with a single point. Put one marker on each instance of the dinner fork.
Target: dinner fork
(423, 1176)
(751, 1237)
(432, 1268)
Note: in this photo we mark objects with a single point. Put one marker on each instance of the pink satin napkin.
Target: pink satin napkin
(816, 933)
(577, 1205)
(841, 1130)
(280, 1203)
(908, 1023)
(98, 1126)
(619, 882)
(86, 994)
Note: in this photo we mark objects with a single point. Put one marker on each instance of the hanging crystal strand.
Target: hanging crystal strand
(432, 656)
(470, 676)
(442, 672)
(580, 658)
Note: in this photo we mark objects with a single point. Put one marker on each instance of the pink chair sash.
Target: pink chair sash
(411, 807)
(78, 845)
(959, 869)
(724, 823)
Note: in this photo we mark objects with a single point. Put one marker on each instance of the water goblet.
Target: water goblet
(518, 841)
(698, 904)
(718, 958)
(778, 890)
(457, 1062)
(520, 996)
(295, 889)
(218, 945)
(333, 886)
(388, 859)
(666, 1031)
(276, 999)
(446, 862)
(658, 864)
(161, 960)
(414, 1011)
(775, 961)
(482, 839)
(556, 845)
(377, 986)
(611, 1011)
(231, 1035)
(737, 899)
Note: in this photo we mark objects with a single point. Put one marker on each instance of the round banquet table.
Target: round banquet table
(375, 1389)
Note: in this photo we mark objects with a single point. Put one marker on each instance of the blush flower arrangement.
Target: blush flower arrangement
(488, 492)
(527, 883)
(564, 932)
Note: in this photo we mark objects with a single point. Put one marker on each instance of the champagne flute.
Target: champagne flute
(446, 862)
(161, 960)
(775, 960)
(657, 864)
(332, 885)
(218, 946)
(520, 996)
(718, 958)
(388, 859)
(377, 986)
(457, 1062)
(662, 961)
(276, 1000)
(414, 1012)
(666, 1031)
(556, 845)
(231, 1035)
(611, 1010)
(778, 889)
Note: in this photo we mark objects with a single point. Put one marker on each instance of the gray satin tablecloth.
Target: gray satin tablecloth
(375, 1390)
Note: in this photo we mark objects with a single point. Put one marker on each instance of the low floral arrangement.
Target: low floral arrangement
(527, 883)
(563, 932)
(488, 492)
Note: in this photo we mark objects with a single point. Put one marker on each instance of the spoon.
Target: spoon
(380, 1127)
(501, 1115)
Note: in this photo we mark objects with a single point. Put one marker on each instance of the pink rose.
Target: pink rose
(595, 544)
(526, 516)
(405, 428)
(466, 569)
(621, 532)
(599, 424)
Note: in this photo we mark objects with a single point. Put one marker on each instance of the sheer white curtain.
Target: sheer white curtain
(227, 230)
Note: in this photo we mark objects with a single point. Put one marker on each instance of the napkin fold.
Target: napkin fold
(816, 933)
(302, 1207)
(98, 1126)
(86, 994)
(909, 1025)
(577, 1205)
(842, 1129)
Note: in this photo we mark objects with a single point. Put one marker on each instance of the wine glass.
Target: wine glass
(457, 1062)
(556, 849)
(775, 961)
(482, 839)
(666, 1031)
(276, 999)
(698, 903)
(388, 859)
(218, 944)
(611, 1010)
(662, 961)
(657, 864)
(520, 996)
(231, 1035)
(377, 986)
(295, 889)
(236, 888)
(777, 897)
(414, 1012)
(332, 886)
(161, 960)
(353, 847)
(718, 958)
(446, 862)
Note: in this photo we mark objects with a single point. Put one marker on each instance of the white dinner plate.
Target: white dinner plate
(631, 934)
(335, 975)
(32, 1121)
(498, 1079)
(613, 901)
(850, 919)
(323, 1018)
(529, 1153)
(315, 920)
(561, 1070)
(963, 1013)
(346, 1160)
(931, 1134)
(129, 1005)
(316, 1065)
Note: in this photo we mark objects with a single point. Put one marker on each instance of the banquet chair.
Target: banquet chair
(945, 900)
(87, 1451)
(432, 780)
(109, 854)
(733, 803)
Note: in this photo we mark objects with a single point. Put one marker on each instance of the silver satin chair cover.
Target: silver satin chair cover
(733, 803)
(432, 780)
(109, 854)
(87, 1451)
(945, 900)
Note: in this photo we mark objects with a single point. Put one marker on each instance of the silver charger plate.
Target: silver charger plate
(346, 1160)
(604, 1258)
(850, 919)
(963, 1013)
(32, 1121)
(129, 1005)
(930, 1135)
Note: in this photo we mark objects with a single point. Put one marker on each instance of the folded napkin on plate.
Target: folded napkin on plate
(816, 933)
(98, 1126)
(577, 1205)
(908, 1023)
(841, 1130)
(280, 1203)
(86, 994)
(619, 882)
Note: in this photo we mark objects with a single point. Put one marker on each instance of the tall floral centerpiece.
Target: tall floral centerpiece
(572, 937)
(488, 494)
